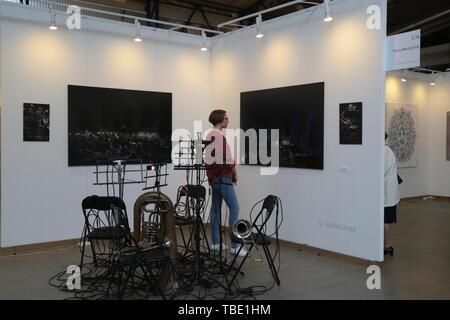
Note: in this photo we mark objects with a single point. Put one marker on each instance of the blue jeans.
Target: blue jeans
(223, 189)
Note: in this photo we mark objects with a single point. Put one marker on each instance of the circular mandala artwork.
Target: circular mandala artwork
(402, 134)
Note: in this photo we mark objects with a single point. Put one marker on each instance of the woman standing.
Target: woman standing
(391, 196)
(221, 172)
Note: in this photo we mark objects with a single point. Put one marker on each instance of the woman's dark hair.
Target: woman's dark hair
(217, 116)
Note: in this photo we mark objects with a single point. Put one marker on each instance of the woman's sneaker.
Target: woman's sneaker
(241, 253)
(216, 247)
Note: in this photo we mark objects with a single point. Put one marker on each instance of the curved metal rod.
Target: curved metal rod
(266, 11)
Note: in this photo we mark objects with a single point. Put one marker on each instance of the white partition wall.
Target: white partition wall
(431, 175)
(329, 209)
(41, 195)
(413, 92)
(438, 164)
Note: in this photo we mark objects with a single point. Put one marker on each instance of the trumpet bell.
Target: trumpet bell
(242, 229)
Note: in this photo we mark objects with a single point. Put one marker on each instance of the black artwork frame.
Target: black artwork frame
(448, 137)
(36, 122)
(351, 123)
(108, 124)
(298, 112)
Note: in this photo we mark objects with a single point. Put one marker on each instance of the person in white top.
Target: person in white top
(391, 196)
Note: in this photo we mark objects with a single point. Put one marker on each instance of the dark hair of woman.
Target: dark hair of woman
(217, 116)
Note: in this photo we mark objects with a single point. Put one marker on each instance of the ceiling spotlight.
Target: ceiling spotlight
(433, 78)
(259, 33)
(52, 25)
(204, 47)
(137, 37)
(404, 74)
(326, 5)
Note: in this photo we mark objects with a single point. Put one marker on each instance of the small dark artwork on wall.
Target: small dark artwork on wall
(350, 123)
(36, 122)
(448, 136)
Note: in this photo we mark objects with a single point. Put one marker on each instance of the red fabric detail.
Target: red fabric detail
(224, 169)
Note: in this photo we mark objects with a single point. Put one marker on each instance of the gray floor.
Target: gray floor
(420, 268)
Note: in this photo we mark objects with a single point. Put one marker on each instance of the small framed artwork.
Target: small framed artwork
(448, 136)
(350, 123)
(36, 122)
(401, 129)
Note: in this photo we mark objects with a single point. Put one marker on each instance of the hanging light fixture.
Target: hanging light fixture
(259, 33)
(52, 25)
(403, 78)
(433, 79)
(326, 5)
(137, 37)
(204, 47)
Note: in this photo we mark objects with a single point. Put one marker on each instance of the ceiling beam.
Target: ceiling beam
(208, 5)
(207, 9)
(417, 24)
(436, 55)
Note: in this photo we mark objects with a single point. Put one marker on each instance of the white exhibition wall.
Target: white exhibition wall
(329, 209)
(412, 92)
(439, 167)
(41, 195)
(431, 176)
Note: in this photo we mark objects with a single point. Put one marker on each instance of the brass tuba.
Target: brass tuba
(154, 224)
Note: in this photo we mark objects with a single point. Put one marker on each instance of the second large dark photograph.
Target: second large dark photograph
(298, 113)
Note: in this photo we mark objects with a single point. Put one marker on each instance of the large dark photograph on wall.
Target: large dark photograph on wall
(36, 122)
(298, 113)
(107, 124)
